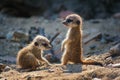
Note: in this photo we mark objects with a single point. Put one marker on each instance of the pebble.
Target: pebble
(7, 68)
(74, 68)
(9, 35)
(117, 65)
(115, 50)
(116, 16)
(17, 36)
(20, 36)
(92, 47)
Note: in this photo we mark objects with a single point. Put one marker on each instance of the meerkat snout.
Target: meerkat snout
(67, 21)
(47, 45)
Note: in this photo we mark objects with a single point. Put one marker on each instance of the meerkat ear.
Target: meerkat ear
(78, 22)
(36, 44)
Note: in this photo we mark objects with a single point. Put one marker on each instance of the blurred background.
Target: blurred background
(88, 9)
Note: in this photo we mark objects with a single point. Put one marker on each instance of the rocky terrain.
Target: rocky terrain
(99, 39)
(22, 20)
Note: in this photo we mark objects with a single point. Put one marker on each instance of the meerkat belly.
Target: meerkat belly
(74, 51)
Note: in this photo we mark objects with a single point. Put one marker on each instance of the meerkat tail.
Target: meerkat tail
(91, 62)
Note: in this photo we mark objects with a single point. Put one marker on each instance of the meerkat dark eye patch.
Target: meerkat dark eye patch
(45, 44)
(78, 22)
(36, 44)
(69, 20)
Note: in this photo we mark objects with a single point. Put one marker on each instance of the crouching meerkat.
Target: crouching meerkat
(30, 56)
(72, 44)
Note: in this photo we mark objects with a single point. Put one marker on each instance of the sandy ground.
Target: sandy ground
(89, 72)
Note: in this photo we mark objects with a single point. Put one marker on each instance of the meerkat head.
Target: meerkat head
(42, 43)
(72, 20)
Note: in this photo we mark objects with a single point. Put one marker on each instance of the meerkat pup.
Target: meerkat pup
(30, 56)
(72, 44)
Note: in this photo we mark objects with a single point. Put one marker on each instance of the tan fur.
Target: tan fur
(72, 44)
(30, 56)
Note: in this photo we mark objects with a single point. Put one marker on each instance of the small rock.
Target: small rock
(20, 36)
(116, 16)
(103, 40)
(108, 60)
(74, 68)
(96, 79)
(17, 36)
(115, 50)
(92, 47)
(7, 68)
(9, 36)
(117, 65)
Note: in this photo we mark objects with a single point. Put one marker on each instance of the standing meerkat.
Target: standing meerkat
(30, 56)
(72, 44)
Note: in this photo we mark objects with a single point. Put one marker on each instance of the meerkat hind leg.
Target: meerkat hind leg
(30, 62)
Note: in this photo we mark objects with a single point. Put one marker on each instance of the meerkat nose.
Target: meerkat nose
(64, 22)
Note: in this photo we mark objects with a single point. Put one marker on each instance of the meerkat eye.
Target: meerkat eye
(78, 22)
(36, 44)
(69, 20)
(45, 44)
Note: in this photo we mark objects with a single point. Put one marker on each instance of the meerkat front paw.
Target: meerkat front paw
(45, 64)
